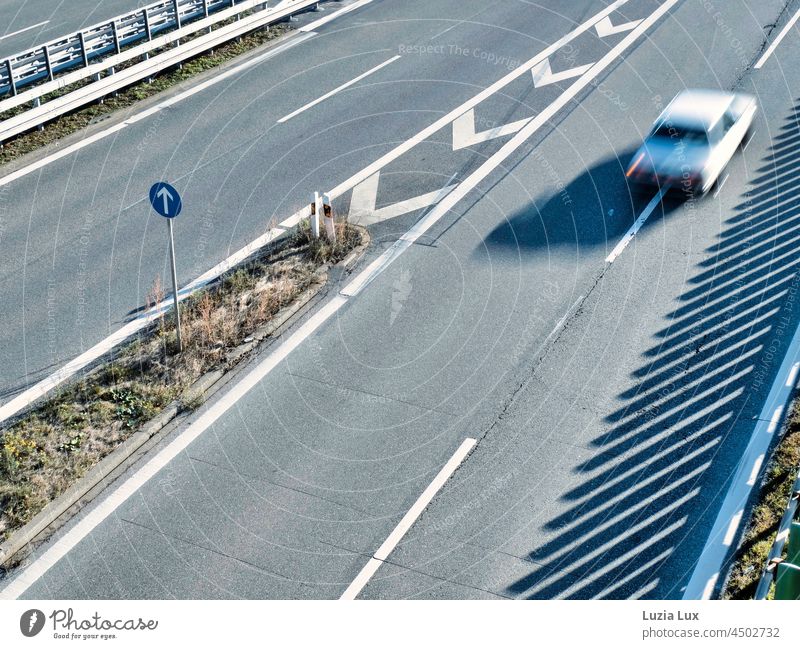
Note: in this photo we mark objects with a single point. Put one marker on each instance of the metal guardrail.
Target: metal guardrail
(785, 573)
(95, 56)
(83, 47)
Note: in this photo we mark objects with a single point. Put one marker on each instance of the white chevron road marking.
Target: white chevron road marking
(605, 27)
(365, 195)
(464, 134)
(543, 75)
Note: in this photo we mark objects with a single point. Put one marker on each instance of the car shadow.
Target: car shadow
(595, 209)
(626, 529)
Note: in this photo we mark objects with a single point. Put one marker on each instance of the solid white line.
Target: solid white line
(20, 31)
(323, 21)
(5, 180)
(408, 520)
(330, 94)
(721, 185)
(706, 575)
(775, 43)
(637, 224)
(96, 516)
(442, 33)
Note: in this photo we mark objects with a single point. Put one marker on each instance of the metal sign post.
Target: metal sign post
(174, 284)
(167, 202)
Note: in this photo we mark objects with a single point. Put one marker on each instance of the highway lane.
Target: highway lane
(291, 491)
(90, 206)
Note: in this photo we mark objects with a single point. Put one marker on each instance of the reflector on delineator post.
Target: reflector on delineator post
(327, 218)
(322, 211)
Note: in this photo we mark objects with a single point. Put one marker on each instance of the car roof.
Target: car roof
(697, 108)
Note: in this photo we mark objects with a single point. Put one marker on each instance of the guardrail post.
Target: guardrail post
(238, 18)
(36, 103)
(84, 53)
(177, 10)
(177, 26)
(11, 84)
(116, 35)
(205, 14)
(148, 30)
(47, 63)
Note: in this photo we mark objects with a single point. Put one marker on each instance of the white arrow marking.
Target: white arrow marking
(464, 134)
(165, 194)
(365, 195)
(543, 75)
(605, 27)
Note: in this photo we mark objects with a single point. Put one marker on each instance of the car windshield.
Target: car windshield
(686, 134)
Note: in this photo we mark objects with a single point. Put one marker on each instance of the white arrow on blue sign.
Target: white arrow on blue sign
(165, 200)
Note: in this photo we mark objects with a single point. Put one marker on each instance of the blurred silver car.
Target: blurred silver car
(693, 140)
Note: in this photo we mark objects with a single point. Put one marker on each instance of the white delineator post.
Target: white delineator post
(316, 209)
(327, 218)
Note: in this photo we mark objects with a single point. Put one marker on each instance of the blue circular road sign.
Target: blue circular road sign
(165, 200)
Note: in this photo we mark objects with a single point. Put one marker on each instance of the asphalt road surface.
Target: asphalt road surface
(611, 390)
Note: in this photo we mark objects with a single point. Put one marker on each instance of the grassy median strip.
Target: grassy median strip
(773, 497)
(85, 117)
(55, 444)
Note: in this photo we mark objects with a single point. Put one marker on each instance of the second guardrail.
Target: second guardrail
(184, 43)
